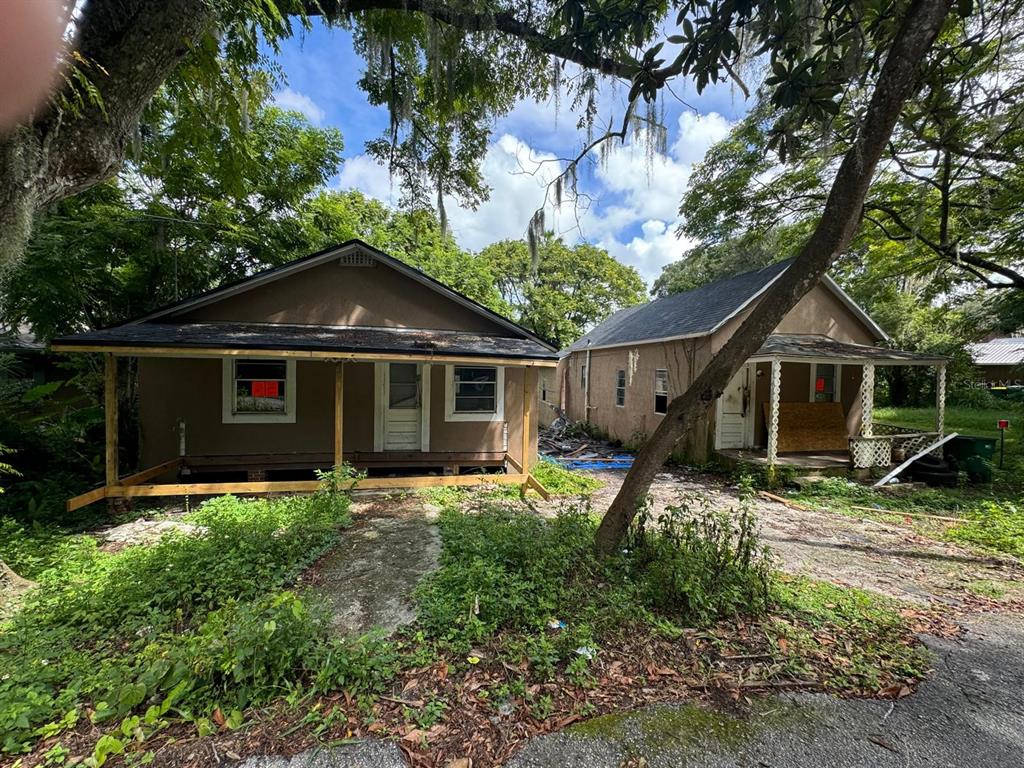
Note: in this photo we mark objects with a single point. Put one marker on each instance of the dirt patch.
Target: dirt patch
(143, 531)
(884, 558)
(368, 579)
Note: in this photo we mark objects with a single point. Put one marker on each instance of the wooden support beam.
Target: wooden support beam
(534, 483)
(339, 411)
(87, 498)
(148, 474)
(110, 416)
(300, 486)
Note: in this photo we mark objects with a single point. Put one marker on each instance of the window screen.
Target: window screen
(824, 383)
(661, 390)
(583, 375)
(476, 389)
(260, 386)
(620, 387)
(403, 386)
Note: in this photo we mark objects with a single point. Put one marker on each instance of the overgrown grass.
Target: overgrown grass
(556, 479)
(193, 623)
(518, 575)
(204, 628)
(564, 482)
(995, 526)
(980, 422)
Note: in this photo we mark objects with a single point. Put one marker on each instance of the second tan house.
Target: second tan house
(347, 355)
(807, 392)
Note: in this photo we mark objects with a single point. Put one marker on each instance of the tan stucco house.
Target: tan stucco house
(804, 392)
(345, 355)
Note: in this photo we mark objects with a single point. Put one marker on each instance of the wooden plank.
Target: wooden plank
(149, 474)
(528, 394)
(84, 499)
(339, 411)
(301, 354)
(110, 416)
(210, 489)
(307, 486)
(914, 458)
(534, 483)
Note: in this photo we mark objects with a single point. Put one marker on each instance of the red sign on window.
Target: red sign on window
(819, 384)
(266, 388)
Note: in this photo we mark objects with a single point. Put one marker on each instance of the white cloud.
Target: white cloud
(629, 205)
(299, 102)
(369, 177)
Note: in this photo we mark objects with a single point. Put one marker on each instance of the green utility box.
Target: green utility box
(973, 455)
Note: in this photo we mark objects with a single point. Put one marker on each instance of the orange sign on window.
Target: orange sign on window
(266, 388)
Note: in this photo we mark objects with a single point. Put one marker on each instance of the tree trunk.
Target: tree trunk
(129, 48)
(839, 221)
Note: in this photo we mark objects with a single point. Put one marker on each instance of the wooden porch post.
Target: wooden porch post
(339, 411)
(773, 411)
(110, 416)
(867, 399)
(527, 419)
(940, 399)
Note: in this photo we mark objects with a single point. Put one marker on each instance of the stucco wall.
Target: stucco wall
(330, 294)
(190, 389)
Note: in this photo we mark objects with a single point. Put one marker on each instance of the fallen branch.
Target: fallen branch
(785, 501)
(922, 515)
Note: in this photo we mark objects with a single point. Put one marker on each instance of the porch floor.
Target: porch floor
(838, 461)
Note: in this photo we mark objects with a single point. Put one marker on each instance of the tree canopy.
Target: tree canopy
(565, 291)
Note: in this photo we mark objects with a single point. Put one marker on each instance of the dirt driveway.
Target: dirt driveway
(889, 559)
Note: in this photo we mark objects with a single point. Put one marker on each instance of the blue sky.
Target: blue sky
(631, 204)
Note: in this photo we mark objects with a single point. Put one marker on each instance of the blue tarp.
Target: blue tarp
(619, 461)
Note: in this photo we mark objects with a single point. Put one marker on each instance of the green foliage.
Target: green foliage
(198, 619)
(564, 482)
(508, 573)
(565, 290)
(997, 526)
(699, 564)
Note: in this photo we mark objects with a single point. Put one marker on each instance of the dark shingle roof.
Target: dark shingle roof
(695, 312)
(321, 338)
(814, 346)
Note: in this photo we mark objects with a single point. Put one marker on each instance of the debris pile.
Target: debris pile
(570, 446)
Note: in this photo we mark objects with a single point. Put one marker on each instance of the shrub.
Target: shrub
(697, 564)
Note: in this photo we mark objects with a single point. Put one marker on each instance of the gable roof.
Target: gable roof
(1008, 351)
(699, 312)
(324, 256)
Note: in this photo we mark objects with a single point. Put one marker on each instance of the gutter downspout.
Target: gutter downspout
(586, 390)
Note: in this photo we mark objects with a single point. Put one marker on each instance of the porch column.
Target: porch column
(110, 416)
(940, 399)
(339, 411)
(773, 411)
(529, 392)
(867, 399)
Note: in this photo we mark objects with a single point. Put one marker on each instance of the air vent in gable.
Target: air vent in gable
(356, 259)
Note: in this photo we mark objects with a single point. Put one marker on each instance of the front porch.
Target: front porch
(483, 428)
(807, 402)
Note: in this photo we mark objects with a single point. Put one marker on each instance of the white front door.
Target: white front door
(402, 403)
(735, 412)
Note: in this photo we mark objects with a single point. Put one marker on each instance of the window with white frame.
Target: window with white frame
(824, 382)
(583, 375)
(620, 388)
(661, 390)
(474, 393)
(258, 390)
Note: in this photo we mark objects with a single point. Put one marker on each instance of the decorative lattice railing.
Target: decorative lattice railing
(885, 440)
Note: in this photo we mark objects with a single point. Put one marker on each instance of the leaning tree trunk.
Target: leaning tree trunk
(839, 221)
(127, 49)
